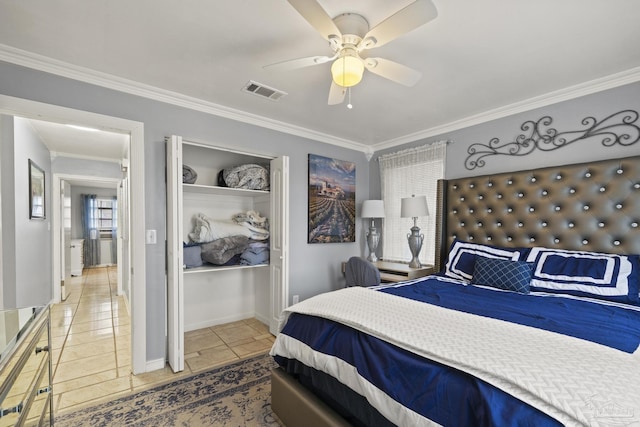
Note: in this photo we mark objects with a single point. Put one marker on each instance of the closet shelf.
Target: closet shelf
(222, 191)
(213, 268)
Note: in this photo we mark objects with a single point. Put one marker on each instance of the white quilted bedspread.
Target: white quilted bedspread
(575, 381)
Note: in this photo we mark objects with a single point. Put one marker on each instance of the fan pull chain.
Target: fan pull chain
(349, 105)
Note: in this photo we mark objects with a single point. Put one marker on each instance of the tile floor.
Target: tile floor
(91, 344)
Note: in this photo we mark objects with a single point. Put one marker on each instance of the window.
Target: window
(106, 217)
(414, 171)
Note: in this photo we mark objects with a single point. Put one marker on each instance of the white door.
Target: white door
(121, 205)
(65, 237)
(279, 256)
(175, 290)
(122, 252)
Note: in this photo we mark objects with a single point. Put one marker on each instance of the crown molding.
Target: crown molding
(587, 88)
(98, 78)
(86, 75)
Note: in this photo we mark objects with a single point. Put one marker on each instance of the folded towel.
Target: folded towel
(192, 256)
(250, 257)
(189, 175)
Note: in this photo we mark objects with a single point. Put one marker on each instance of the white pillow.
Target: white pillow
(462, 257)
(597, 275)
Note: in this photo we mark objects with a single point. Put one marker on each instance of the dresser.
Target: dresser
(77, 257)
(25, 368)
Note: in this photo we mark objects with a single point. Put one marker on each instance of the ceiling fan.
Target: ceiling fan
(349, 35)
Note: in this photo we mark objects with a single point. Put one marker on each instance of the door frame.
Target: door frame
(57, 223)
(37, 110)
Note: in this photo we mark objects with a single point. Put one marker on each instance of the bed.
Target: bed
(550, 341)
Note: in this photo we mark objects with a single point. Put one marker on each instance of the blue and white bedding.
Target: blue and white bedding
(615, 326)
(609, 277)
(433, 361)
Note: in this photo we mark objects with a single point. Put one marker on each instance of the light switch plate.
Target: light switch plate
(151, 237)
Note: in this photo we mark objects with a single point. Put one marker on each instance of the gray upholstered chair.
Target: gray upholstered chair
(360, 272)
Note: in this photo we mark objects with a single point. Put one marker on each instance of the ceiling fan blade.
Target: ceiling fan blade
(336, 93)
(317, 17)
(293, 64)
(393, 71)
(405, 20)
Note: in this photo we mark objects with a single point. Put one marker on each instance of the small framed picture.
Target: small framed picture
(36, 191)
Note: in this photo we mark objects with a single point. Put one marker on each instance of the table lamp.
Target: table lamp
(372, 209)
(413, 207)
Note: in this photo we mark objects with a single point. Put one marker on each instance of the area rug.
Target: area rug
(234, 395)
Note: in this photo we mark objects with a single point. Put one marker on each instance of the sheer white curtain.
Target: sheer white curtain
(403, 174)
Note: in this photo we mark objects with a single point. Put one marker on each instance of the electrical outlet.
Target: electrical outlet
(296, 299)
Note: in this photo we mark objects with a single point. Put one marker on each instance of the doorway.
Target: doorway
(36, 110)
(68, 234)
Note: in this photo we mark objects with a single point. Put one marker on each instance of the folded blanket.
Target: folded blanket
(252, 218)
(256, 233)
(222, 250)
(207, 229)
(249, 176)
(257, 245)
(189, 175)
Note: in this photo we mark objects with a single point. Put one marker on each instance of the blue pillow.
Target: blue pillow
(462, 257)
(503, 274)
(596, 275)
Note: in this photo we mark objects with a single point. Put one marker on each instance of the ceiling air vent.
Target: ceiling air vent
(263, 91)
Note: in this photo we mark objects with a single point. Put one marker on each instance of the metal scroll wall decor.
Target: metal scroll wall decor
(618, 128)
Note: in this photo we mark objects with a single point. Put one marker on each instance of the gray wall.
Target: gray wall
(85, 168)
(76, 205)
(26, 242)
(8, 213)
(82, 167)
(566, 116)
(313, 268)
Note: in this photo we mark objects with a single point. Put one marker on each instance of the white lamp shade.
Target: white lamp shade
(347, 70)
(372, 209)
(412, 207)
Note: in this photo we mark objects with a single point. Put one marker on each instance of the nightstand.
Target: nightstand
(397, 271)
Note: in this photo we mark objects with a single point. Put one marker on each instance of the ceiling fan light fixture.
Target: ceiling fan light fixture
(347, 70)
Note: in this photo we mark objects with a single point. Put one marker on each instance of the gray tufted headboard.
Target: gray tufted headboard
(590, 206)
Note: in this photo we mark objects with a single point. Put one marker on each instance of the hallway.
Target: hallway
(91, 344)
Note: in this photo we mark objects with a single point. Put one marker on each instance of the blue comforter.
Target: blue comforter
(611, 325)
(449, 396)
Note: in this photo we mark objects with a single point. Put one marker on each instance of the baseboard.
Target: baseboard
(262, 318)
(218, 321)
(154, 365)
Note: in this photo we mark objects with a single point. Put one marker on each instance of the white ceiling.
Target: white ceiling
(67, 140)
(478, 57)
(64, 140)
